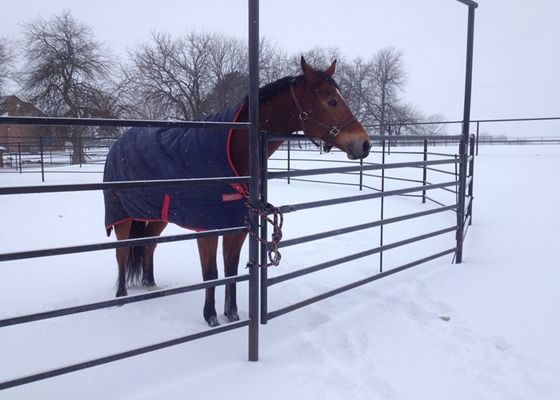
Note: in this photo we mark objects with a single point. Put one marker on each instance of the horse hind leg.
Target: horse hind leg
(207, 248)
(153, 229)
(122, 231)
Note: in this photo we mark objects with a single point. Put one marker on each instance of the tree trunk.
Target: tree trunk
(78, 155)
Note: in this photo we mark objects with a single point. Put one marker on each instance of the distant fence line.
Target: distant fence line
(18, 154)
(15, 149)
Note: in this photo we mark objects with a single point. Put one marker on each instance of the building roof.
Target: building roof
(14, 106)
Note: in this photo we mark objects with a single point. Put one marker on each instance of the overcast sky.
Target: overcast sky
(517, 50)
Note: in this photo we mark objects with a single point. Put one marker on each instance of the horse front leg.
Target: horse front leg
(232, 248)
(207, 248)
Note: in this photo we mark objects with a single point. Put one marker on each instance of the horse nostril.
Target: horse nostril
(366, 147)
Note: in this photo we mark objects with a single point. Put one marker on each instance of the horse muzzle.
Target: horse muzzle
(358, 149)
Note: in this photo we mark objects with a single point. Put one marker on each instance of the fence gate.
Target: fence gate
(421, 188)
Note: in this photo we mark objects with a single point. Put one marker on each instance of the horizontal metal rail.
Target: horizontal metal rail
(21, 255)
(392, 178)
(277, 137)
(328, 264)
(315, 160)
(408, 153)
(156, 294)
(50, 171)
(373, 188)
(77, 187)
(356, 228)
(436, 154)
(441, 171)
(121, 356)
(455, 122)
(61, 121)
(357, 168)
(436, 202)
(328, 182)
(323, 296)
(397, 138)
(349, 199)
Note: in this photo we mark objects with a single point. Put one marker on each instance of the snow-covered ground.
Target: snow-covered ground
(484, 329)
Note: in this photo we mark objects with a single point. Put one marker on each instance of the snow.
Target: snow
(483, 329)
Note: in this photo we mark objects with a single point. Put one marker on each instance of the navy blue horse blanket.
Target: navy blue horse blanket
(175, 153)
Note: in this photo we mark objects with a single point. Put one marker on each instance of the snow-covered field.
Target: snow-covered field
(485, 329)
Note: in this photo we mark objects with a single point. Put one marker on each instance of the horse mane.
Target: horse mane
(273, 89)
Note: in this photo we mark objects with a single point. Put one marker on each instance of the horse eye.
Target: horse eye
(332, 102)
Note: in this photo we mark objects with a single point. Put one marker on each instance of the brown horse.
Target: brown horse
(311, 103)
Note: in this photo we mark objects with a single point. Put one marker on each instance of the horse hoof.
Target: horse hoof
(121, 293)
(213, 321)
(149, 284)
(232, 316)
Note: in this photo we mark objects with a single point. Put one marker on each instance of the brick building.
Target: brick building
(27, 136)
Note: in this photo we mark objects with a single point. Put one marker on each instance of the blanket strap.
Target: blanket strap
(273, 216)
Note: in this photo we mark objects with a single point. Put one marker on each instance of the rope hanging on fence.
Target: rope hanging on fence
(273, 216)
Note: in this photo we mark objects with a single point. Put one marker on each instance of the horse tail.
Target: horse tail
(134, 264)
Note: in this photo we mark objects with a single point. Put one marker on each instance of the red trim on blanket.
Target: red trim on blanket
(111, 226)
(165, 208)
(241, 189)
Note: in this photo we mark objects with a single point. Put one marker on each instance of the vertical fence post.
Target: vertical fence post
(254, 161)
(361, 173)
(477, 135)
(465, 133)
(471, 175)
(425, 171)
(19, 158)
(382, 211)
(289, 146)
(80, 148)
(42, 159)
(264, 229)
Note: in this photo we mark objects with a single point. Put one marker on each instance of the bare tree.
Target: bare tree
(201, 73)
(65, 66)
(6, 63)
(174, 73)
(109, 101)
(357, 86)
(435, 127)
(388, 77)
(402, 119)
(228, 72)
(198, 74)
(274, 63)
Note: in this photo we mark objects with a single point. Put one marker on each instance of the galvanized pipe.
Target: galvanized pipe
(463, 148)
(254, 184)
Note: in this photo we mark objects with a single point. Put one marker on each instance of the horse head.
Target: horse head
(325, 115)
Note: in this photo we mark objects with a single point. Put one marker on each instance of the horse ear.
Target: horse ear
(308, 71)
(330, 70)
